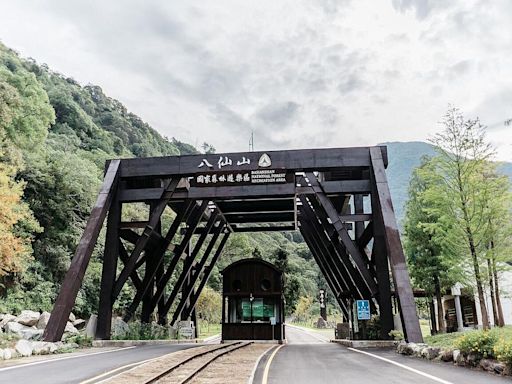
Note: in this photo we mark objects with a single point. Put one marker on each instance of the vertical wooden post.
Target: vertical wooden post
(394, 248)
(149, 276)
(108, 274)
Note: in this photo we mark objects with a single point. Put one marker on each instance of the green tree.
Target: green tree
(431, 269)
(463, 155)
(209, 306)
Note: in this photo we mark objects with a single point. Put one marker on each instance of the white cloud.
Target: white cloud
(299, 73)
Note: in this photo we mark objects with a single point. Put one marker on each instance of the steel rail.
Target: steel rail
(167, 371)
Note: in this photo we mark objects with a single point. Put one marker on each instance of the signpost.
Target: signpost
(323, 308)
(363, 310)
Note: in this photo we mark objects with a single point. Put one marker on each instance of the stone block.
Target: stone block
(24, 348)
(28, 318)
(90, 328)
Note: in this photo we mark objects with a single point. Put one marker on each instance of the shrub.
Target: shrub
(503, 351)
(144, 331)
(479, 343)
(396, 335)
(373, 328)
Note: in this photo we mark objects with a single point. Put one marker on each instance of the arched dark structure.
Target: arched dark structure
(252, 301)
(338, 198)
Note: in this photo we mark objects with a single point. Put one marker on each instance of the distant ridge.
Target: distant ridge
(403, 158)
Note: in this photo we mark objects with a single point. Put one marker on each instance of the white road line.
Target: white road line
(61, 358)
(134, 365)
(251, 378)
(434, 378)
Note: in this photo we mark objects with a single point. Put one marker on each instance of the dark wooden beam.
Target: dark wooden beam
(247, 206)
(158, 253)
(281, 217)
(133, 224)
(338, 187)
(352, 249)
(192, 223)
(129, 235)
(75, 274)
(155, 214)
(301, 160)
(197, 270)
(206, 276)
(394, 247)
(357, 278)
(240, 192)
(328, 274)
(108, 274)
(339, 260)
(189, 262)
(123, 256)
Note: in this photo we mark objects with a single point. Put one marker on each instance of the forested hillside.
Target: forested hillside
(55, 136)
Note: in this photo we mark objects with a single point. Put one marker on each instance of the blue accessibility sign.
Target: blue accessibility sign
(363, 310)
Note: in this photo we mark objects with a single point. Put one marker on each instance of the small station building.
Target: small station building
(252, 301)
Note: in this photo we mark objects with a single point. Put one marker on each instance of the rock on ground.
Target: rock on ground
(72, 317)
(6, 318)
(28, 318)
(90, 328)
(24, 347)
(430, 353)
(119, 327)
(79, 323)
(70, 328)
(446, 355)
(43, 320)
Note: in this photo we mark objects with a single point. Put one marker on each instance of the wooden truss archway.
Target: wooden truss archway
(337, 198)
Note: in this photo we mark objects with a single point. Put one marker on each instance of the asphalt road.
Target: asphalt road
(306, 359)
(79, 367)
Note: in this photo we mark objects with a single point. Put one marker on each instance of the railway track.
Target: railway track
(185, 370)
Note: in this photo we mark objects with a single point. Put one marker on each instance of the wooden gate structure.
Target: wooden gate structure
(338, 199)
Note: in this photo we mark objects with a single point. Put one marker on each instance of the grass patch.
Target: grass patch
(448, 340)
(207, 330)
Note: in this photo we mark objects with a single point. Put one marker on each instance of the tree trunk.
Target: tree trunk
(440, 309)
(478, 278)
(501, 319)
(433, 319)
(495, 315)
(474, 255)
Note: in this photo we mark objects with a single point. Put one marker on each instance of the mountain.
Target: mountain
(403, 157)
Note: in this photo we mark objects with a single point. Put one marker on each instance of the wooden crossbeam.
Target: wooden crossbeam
(333, 284)
(189, 262)
(170, 186)
(340, 250)
(352, 249)
(206, 275)
(192, 223)
(301, 160)
(197, 270)
(330, 254)
(158, 253)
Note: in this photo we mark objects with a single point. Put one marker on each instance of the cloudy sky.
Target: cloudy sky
(299, 73)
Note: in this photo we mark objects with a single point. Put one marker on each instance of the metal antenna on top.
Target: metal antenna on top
(251, 142)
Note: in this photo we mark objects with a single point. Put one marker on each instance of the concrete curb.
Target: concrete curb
(366, 343)
(132, 343)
